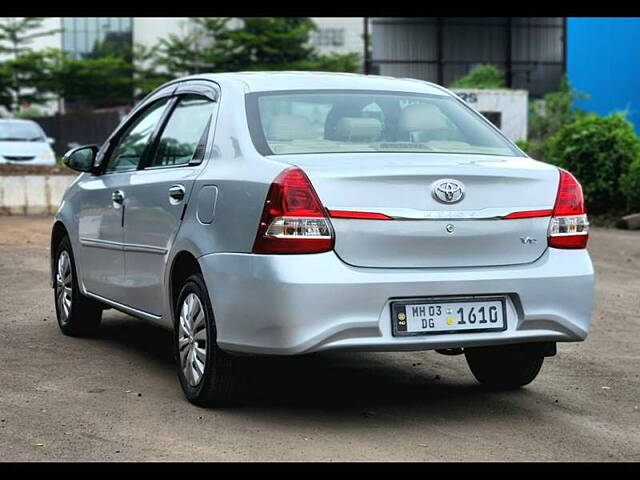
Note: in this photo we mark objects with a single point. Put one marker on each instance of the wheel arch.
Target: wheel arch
(58, 232)
(184, 265)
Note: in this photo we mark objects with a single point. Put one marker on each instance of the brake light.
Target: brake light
(528, 214)
(293, 219)
(358, 215)
(569, 227)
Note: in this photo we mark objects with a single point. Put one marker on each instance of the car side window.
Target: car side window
(128, 151)
(185, 131)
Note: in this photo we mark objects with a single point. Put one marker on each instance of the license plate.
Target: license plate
(428, 316)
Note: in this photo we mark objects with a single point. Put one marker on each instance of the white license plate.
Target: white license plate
(442, 315)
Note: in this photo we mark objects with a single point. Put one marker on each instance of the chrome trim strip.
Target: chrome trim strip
(97, 243)
(127, 247)
(441, 215)
(131, 247)
(124, 308)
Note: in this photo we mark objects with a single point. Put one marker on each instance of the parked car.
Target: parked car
(287, 213)
(24, 142)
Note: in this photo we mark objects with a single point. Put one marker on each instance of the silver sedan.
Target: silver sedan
(287, 213)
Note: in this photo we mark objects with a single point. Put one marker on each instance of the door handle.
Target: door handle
(117, 197)
(176, 194)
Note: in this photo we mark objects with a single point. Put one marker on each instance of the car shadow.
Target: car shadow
(335, 382)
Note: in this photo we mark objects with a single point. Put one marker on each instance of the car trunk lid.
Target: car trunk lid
(423, 231)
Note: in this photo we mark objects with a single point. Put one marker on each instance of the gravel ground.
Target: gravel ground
(116, 396)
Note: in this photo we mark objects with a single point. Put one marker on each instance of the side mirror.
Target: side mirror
(81, 158)
(51, 140)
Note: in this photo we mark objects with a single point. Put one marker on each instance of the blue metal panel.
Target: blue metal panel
(603, 61)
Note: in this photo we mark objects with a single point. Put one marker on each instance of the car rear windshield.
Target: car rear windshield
(296, 122)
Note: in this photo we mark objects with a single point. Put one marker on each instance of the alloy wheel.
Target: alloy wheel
(192, 339)
(64, 286)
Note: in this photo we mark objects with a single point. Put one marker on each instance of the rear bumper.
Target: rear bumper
(290, 304)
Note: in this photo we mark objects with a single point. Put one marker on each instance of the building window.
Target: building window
(328, 37)
(81, 36)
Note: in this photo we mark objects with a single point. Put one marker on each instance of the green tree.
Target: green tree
(481, 76)
(89, 82)
(630, 186)
(114, 44)
(558, 110)
(237, 44)
(147, 71)
(6, 81)
(546, 118)
(28, 74)
(16, 36)
(599, 152)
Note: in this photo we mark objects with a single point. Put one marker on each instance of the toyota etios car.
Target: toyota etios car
(286, 213)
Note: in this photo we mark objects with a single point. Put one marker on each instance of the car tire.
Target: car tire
(77, 315)
(505, 367)
(207, 373)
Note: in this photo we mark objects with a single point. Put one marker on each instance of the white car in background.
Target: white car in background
(24, 142)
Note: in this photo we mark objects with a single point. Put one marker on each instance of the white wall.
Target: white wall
(148, 30)
(32, 194)
(353, 30)
(512, 104)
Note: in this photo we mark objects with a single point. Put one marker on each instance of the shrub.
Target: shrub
(524, 145)
(534, 149)
(481, 76)
(547, 116)
(630, 186)
(598, 151)
(30, 112)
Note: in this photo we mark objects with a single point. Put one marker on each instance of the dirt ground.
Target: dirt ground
(8, 169)
(116, 396)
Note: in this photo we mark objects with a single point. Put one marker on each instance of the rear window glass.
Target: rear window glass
(363, 121)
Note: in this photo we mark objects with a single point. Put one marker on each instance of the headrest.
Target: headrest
(357, 128)
(285, 127)
(421, 117)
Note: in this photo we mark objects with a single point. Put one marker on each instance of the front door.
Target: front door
(103, 206)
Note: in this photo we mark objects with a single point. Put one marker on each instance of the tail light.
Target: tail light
(569, 226)
(293, 219)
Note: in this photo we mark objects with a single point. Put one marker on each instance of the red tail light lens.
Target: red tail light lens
(359, 215)
(293, 219)
(569, 227)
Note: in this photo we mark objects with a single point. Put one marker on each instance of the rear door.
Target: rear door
(159, 191)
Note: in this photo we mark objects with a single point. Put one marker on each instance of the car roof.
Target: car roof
(271, 81)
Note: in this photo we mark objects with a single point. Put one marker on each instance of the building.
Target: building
(603, 62)
(531, 51)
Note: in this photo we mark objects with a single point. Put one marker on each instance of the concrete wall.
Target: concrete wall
(513, 106)
(353, 28)
(32, 194)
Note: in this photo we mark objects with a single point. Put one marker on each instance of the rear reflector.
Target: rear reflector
(569, 227)
(359, 215)
(529, 214)
(293, 218)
